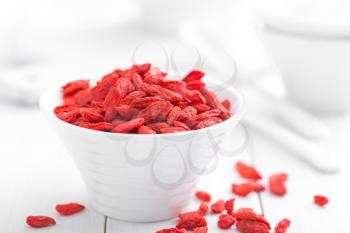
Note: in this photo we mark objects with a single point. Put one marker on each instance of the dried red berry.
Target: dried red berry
(229, 206)
(203, 209)
(40, 221)
(282, 226)
(75, 86)
(250, 226)
(190, 221)
(225, 221)
(203, 196)
(248, 214)
(173, 130)
(245, 188)
(218, 207)
(145, 130)
(128, 126)
(247, 171)
(69, 209)
(276, 184)
(200, 230)
(194, 75)
(320, 200)
(172, 230)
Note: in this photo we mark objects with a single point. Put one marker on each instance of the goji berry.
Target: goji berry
(229, 206)
(133, 96)
(181, 124)
(203, 209)
(145, 130)
(320, 200)
(172, 130)
(247, 171)
(83, 97)
(210, 121)
(172, 230)
(282, 226)
(276, 184)
(245, 188)
(100, 91)
(200, 230)
(90, 115)
(101, 126)
(201, 107)
(158, 126)
(154, 76)
(203, 196)
(225, 221)
(227, 104)
(251, 226)
(69, 209)
(249, 214)
(173, 115)
(190, 221)
(218, 207)
(75, 86)
(40, 221)
(194, 75)
(128, 126)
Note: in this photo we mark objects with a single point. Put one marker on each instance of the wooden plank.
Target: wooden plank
(36, 173)
(304, 182)
(218, 183)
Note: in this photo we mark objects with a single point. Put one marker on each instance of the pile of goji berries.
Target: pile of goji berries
(140, 100)
(62, 209)
(244, 219)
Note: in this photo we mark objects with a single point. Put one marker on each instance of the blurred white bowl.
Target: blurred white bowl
(141, 177)
(313, 60)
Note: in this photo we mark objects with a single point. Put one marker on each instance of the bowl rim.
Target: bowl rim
(56, 88)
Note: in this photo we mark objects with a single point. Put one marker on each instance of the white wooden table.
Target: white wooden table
(36, 173)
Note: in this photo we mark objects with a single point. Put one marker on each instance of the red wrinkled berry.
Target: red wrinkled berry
(250, 226)
(203, 196)
(320, 200)
(249, 214)
(200, 230)
(245, 188)
(69, 209)
(276, 184)
(218, 207)
(145, 130)
(128, 126)
(40, 221)
(203, 209)
(172, 230)
(225, 221)
(247, 171)
(282, 226)
(190, 221)
(229, 206)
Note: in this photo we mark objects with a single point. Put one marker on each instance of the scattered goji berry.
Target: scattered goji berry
(40, 221)
(249, 214)
(69, 209)
(172, 230)
(218, 207)
(203, 209)
(200, 230)
(276, 184)
(225, 221)
(247, 171)
(282, 226)
(229, 206)
(75, 86)
(251, 226)
(203, 196)
(190, 221)
(244, 189)
(320, 200)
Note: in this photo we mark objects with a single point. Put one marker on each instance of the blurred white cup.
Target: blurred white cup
(312, 56)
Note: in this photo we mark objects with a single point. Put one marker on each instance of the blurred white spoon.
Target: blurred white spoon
(309, 152)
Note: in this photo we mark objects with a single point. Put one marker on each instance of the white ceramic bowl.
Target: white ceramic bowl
(313, 61)
(141, 177)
